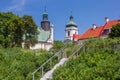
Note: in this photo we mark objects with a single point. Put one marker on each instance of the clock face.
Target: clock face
(46, 26)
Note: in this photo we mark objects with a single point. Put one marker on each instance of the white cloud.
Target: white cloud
(17, 5)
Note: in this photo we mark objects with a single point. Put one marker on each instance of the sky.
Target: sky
(85, 12)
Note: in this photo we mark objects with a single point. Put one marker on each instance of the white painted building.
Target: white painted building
(45, 36)
(71, 28)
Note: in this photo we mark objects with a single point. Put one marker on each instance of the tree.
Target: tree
(115, 31)
(30, 36)
(14, 30)
(11, 29)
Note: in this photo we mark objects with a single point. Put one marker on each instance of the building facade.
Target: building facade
(45, 36)
(71, 28)
(97, 31)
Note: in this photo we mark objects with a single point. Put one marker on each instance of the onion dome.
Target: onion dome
(71, 23)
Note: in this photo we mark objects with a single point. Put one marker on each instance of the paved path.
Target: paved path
(49, 74)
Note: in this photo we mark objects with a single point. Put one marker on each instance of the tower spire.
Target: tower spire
(45, 9)
(45, 5)
(45, 15)
(71, 17)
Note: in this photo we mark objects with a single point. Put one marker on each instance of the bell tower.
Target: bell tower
(45, 23)
(71, 28)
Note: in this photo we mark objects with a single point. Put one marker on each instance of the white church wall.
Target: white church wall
(45, 46)
(51, 37)
(72, 31)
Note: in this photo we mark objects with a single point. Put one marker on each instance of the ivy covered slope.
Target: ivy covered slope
(100, 60)
(18, 64)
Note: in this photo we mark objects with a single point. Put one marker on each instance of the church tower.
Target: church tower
(45, 36)
(71, 28)
(45, 23)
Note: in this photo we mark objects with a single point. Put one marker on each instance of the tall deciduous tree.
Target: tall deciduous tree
(30, 36)
(13, 28)
(115, 31)
(9, 24)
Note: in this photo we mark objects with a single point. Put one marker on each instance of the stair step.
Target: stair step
(48, 75)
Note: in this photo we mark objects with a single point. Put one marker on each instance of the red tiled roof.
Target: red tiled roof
(89, 33)
(76, 36)
(111, 23)
(92, 33)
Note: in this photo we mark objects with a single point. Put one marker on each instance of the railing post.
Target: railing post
(42, 71)
(63, 53)
(33, 77)
(77, 53)
(51, 63)
(58, 58)
(84, 49)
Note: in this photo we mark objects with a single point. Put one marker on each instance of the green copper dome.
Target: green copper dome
(71, 22)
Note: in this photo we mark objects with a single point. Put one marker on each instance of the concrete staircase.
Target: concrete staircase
(61, 60)
(48, 75)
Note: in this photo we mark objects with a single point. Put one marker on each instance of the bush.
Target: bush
(93, 64)
(18, 64)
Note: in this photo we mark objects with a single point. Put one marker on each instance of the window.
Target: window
(68, 33)
(106, 31)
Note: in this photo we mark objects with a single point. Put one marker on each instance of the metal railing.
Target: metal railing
(77, 52)
(60, 54)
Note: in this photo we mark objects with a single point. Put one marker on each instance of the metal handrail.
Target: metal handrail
(57, 53)
(41, 67)
(77, 51)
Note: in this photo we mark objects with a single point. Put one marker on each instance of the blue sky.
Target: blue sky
(85, 12)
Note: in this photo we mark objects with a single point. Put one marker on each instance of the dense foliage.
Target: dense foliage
(13, 28)
(115, 31)
(18, 64)
(58, 45)
(31, 32)
(71, 48)
(99, 60)
(68, 48)
(50, 63)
